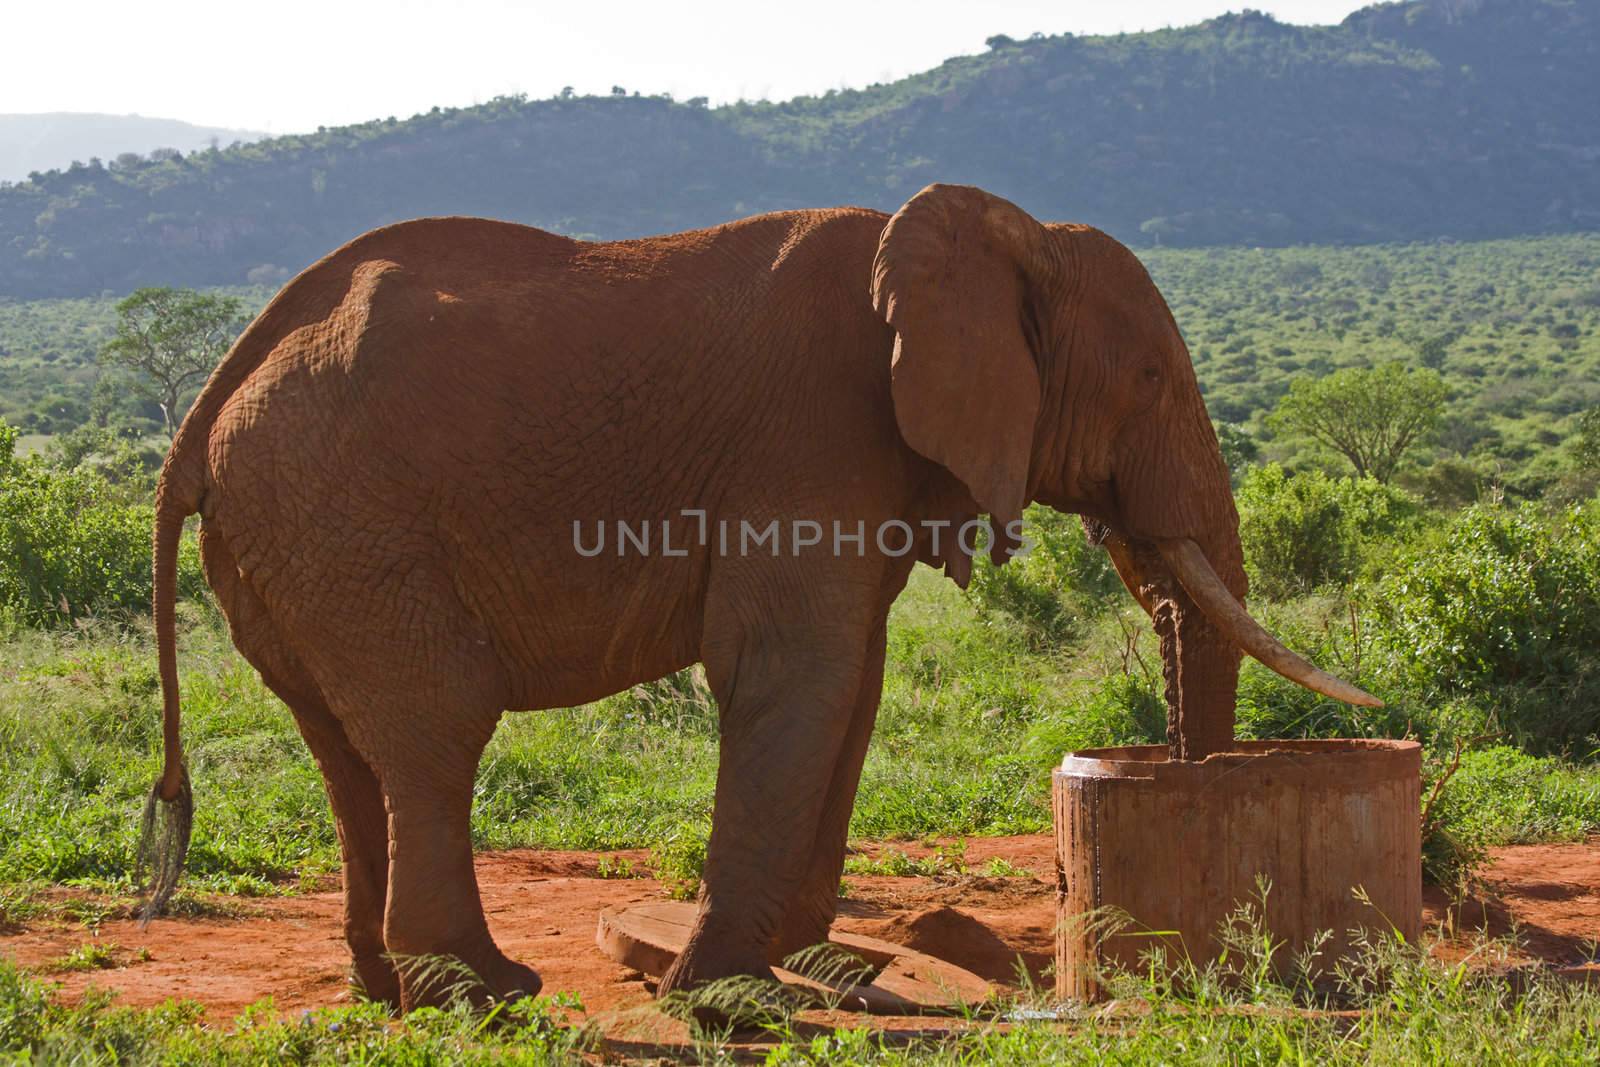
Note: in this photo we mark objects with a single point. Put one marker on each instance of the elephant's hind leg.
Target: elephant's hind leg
(434, 912)
(353, 792)
(420, 706)
(362, 826)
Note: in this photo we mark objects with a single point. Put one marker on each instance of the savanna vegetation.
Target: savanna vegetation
(1511, 328)
(1398, 1010)
(1464, 589)
(1406, 121)
(1414, 432)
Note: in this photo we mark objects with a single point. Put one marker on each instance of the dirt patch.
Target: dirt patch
(1544, 897)
(543, 906)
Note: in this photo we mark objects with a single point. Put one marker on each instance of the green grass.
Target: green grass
(983, 692)
(80, 721)
(1396, 1008)
(1503, 796)
(89, 956)
(948, 859)
(974, 714)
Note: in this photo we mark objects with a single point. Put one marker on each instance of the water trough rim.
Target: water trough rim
(1330, 755)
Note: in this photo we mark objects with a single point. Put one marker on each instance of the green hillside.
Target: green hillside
(1513, 326)
(1462, 118)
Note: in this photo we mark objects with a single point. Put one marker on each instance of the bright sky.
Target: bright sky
(290, 65)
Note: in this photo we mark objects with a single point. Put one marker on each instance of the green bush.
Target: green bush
(1506, 595)
(1320, 628)
(1060, 581)
(73, 542)
(1502, 606)
(1307, 530)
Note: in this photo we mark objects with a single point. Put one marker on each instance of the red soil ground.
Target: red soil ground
(543, 906)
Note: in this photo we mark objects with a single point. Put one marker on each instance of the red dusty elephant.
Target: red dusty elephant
(404, 464)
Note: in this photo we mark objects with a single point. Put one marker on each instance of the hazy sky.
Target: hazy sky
(291, 65)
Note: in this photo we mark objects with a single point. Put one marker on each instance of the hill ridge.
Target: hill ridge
(1406, 121)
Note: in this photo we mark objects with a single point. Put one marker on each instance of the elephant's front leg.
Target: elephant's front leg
(786, 701)
(810, 913)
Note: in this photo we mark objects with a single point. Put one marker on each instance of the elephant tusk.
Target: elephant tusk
(1121, 554)
(1200, 581)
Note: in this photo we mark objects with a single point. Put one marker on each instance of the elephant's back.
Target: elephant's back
(439, 362)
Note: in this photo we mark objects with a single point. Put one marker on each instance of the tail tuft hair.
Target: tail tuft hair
(163, 843)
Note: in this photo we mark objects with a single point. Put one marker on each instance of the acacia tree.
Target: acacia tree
(1370, 416)
(172, 338)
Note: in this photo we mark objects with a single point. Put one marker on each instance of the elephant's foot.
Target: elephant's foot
(377, 980)
(481, 974)
(507, 980)
(806, 925)
(710, 956)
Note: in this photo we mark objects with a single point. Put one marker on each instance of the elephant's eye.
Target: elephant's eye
(1152, 374)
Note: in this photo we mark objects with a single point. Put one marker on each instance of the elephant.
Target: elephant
(404, 462)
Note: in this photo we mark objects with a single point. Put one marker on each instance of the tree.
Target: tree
(1239, 449)
(1433, 348)
(172, 338)
(1371, 417)
(1158, 227)
(1587, 443)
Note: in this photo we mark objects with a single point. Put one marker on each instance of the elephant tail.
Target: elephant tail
(169, 807)
(185, 480)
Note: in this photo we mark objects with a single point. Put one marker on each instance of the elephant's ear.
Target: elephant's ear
(952, 276)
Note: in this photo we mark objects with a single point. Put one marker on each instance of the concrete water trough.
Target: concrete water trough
(1157, 853)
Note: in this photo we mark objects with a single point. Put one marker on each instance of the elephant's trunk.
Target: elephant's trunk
(1200, 662)
(1202, 677)
(1179, 553)
(1200, 581)
(1203, 628)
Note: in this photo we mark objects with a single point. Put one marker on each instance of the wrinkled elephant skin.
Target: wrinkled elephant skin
(402, 466)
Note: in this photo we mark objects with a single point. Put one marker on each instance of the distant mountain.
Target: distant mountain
(1408, 121)
(31, 143)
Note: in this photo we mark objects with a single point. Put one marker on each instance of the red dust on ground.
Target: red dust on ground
(543, 907)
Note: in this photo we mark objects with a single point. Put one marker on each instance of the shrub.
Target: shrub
(73, 543)
(1321, 629)
(680, 859)
(1062, 579)
(1505, 603)
(1305, 530)
(1512, 594)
